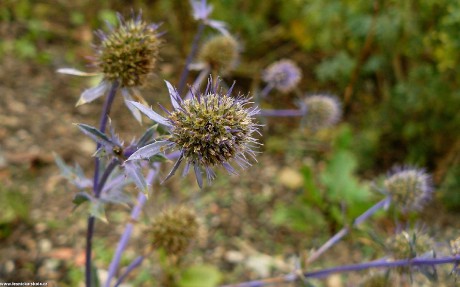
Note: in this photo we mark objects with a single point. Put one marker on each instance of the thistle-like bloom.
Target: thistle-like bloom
(126, 56)
(220, 53)
(410, 188)
(175, 229)
(321, 111)
(201, 12)
(283, 75)
(209, 129)
(409, 244)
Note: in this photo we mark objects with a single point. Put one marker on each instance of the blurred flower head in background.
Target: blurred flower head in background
(283, 75)
(220, 53)
(321, 111)
(409, 243)
(175, 229)
(409, 188)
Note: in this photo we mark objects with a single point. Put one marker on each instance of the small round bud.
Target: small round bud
(410, 189)
(175, 229)
(321, 111)
(220, 53)
(129, 52)
(409, 244)
(283, 75)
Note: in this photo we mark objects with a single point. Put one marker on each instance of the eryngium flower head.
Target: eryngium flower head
(129, 52)
(409, 244)
(209, 129)
(175, 229)
(322, 111)
(125, 57)
(410, 188)
(220, 53)
(283, 75)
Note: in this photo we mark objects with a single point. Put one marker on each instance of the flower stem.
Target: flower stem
(135, 213)
(282, 113)
(350, 268)
(198, 81)
(344, 231)
(96, 185)
(136, 262)
(191, 55)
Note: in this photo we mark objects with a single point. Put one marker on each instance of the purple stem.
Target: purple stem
(136, 262)
(266, 90)
(191, 55)
(91, 220)
(344, 231)
(135, 213)
(282, 113)
(198, 81)
(349, 268)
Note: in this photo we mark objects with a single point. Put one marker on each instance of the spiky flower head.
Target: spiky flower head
(410, 188)
(175, 229)
(321, 111)
(209, 129)
(125, 57)
(409, 244)
(129, 52)
(220, 53)
(283, 75)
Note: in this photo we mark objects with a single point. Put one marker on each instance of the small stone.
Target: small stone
(290, 178)
(234, 256)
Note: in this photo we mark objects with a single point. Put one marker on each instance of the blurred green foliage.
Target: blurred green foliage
(332, 193)
(14, 208)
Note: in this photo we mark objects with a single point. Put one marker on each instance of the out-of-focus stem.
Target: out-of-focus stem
(136, 262)
(350, 268)
(191, 55)
(282, 113)
(96, 185)
(265, 91)
(135, 213)
(198, 81)
(344, 231)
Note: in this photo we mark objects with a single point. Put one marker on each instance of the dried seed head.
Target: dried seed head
(212, 129)
(220, 53)
(410, 189)
(175, 229)
(129, 52)
(321, 111)
(455, 246)
(283, 75)
(409, 244)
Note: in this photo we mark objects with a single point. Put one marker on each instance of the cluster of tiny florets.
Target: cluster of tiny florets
(211, 129)
(220, 53)
(409, 188)
(455, 246)
(409, 244)
(283, 75)
(322, 111)
(129, 53)
(175, 229)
